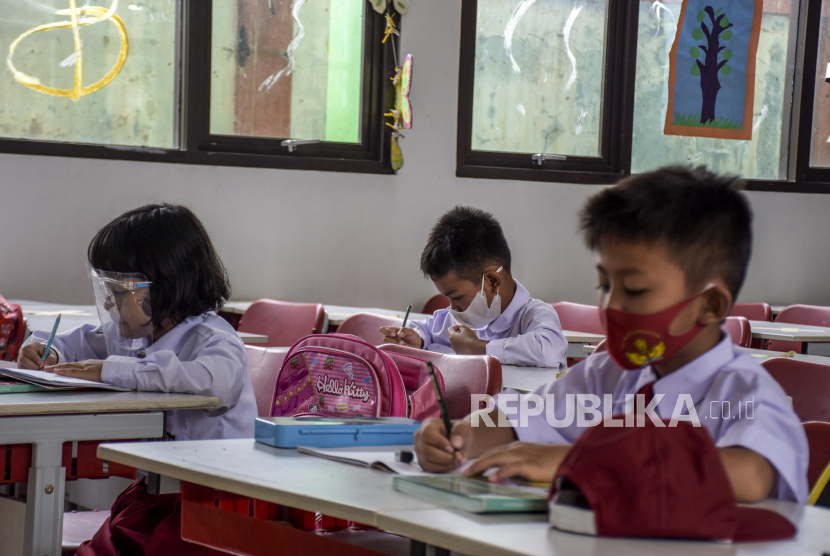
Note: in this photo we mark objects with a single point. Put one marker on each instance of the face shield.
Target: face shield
(123, 303)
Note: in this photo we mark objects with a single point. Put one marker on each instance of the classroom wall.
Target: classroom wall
(354, 239)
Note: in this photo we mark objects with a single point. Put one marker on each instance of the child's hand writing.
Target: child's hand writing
(438, 454)
(87, 370)
(402, 336)
(31, 356)
(534, 462)
(465, 342)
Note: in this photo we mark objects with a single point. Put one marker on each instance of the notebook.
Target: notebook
(53, 381)
(474, 495)
(382, 458)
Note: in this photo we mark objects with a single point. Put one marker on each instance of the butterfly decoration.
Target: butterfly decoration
(402, 6)
(402, 113)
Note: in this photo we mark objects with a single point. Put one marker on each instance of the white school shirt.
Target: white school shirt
(720, 383)
(202, 355)
(527, 333)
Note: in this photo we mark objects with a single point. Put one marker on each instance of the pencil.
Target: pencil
(405, 318)
(49, 343)
(444, 413)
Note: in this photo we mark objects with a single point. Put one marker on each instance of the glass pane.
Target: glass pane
(287, 69)
(539, 76)
(759, 158)
(135, 108)
(820, 151)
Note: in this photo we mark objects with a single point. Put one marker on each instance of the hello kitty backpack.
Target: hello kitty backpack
(339, 375)
(12, 330)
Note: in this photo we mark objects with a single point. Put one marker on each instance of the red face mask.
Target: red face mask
(635, 341)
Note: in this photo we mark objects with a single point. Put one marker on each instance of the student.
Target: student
(673, 249)
(157, 282)
(491, 313)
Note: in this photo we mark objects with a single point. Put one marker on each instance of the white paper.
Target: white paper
(51, 379)
(374, 455)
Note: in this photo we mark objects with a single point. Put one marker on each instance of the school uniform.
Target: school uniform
(720, 383)
(202, 355)
(527, 333)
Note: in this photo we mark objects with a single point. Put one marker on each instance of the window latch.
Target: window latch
(541, 158)
(292, 144)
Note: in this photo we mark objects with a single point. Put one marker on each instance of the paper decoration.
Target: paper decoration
(712, 73)
(402, 113)
(402, 6)
(78, 17)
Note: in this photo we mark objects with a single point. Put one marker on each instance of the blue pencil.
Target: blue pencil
(49, 343)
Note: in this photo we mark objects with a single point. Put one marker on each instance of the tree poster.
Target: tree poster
(712, 69)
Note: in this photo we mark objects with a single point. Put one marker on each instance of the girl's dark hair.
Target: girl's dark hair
(170, 246)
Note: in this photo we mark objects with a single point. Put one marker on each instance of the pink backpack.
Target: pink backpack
(339, 375)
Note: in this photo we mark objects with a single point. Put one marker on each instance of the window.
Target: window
(271, 83)
(540, 94)
(631, 71)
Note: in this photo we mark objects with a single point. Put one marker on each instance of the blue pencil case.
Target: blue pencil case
(326, 432)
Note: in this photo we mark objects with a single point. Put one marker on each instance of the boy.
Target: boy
(673, 250)
(468, 259)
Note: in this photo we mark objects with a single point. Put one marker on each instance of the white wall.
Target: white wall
(354, 239)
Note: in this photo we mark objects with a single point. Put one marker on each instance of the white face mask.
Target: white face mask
(478, 315)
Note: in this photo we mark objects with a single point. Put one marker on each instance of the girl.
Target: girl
(157, 281)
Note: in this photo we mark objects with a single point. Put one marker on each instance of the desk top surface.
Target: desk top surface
(789, 332)
(98, 401)
(247, 468)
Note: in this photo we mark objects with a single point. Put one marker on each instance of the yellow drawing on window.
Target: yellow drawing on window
(78, 17)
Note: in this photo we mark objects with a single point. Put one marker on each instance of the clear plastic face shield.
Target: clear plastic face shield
(123, 303)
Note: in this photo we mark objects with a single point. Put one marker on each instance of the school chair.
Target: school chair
(752, 311)
(578, 318)
(366, 325)
(818, 439)
(810, 315)
(264, 366)
(806, 383)
(739, 330)
(283, 322)
(464, 376)
(436, 302)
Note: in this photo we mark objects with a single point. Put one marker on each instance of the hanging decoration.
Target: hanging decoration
(380, 6)
(78, 17)
(402, 113)
(712, 69)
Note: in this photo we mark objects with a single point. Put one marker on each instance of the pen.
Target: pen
(49, 343)
(444, 413)
(405, 318)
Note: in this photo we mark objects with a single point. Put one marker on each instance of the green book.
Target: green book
(473, 495)
(14, 387)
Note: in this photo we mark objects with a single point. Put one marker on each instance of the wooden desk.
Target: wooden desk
(47, 420)
(528, 379)
(336, 313)
(777, 309)
(809, 336)
(763, 355)
(41, 316)
(351, 492)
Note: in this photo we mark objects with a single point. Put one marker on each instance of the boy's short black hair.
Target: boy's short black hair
(170, 246)
(702, 218)
(465, 240)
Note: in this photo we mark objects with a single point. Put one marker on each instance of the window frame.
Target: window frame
(195, 144)
(616, 154)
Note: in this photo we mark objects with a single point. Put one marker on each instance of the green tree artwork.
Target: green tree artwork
(711, 59)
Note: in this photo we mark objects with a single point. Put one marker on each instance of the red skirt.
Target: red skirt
(143, 524)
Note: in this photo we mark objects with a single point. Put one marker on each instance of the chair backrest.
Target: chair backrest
(739, 330)
(806, 383)
(436, 302)
(464, 375)
(579, 318)
(366, 325)
(818, 438)
(752, 311)
(810, 315)
(264, 366)
(283, 322)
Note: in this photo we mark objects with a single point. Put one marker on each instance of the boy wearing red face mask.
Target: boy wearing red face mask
(673, 248)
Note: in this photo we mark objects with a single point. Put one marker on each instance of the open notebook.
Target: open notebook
(53, 381)
(376, 457)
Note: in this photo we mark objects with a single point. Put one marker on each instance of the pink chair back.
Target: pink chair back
(366, 325)
(464, 375)
(739, 330)
(436, 302)
(579, 318)
(752, 311)
(818, 439)
(810, 315)
(806, 383)
(264, 366)
(283, 322)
